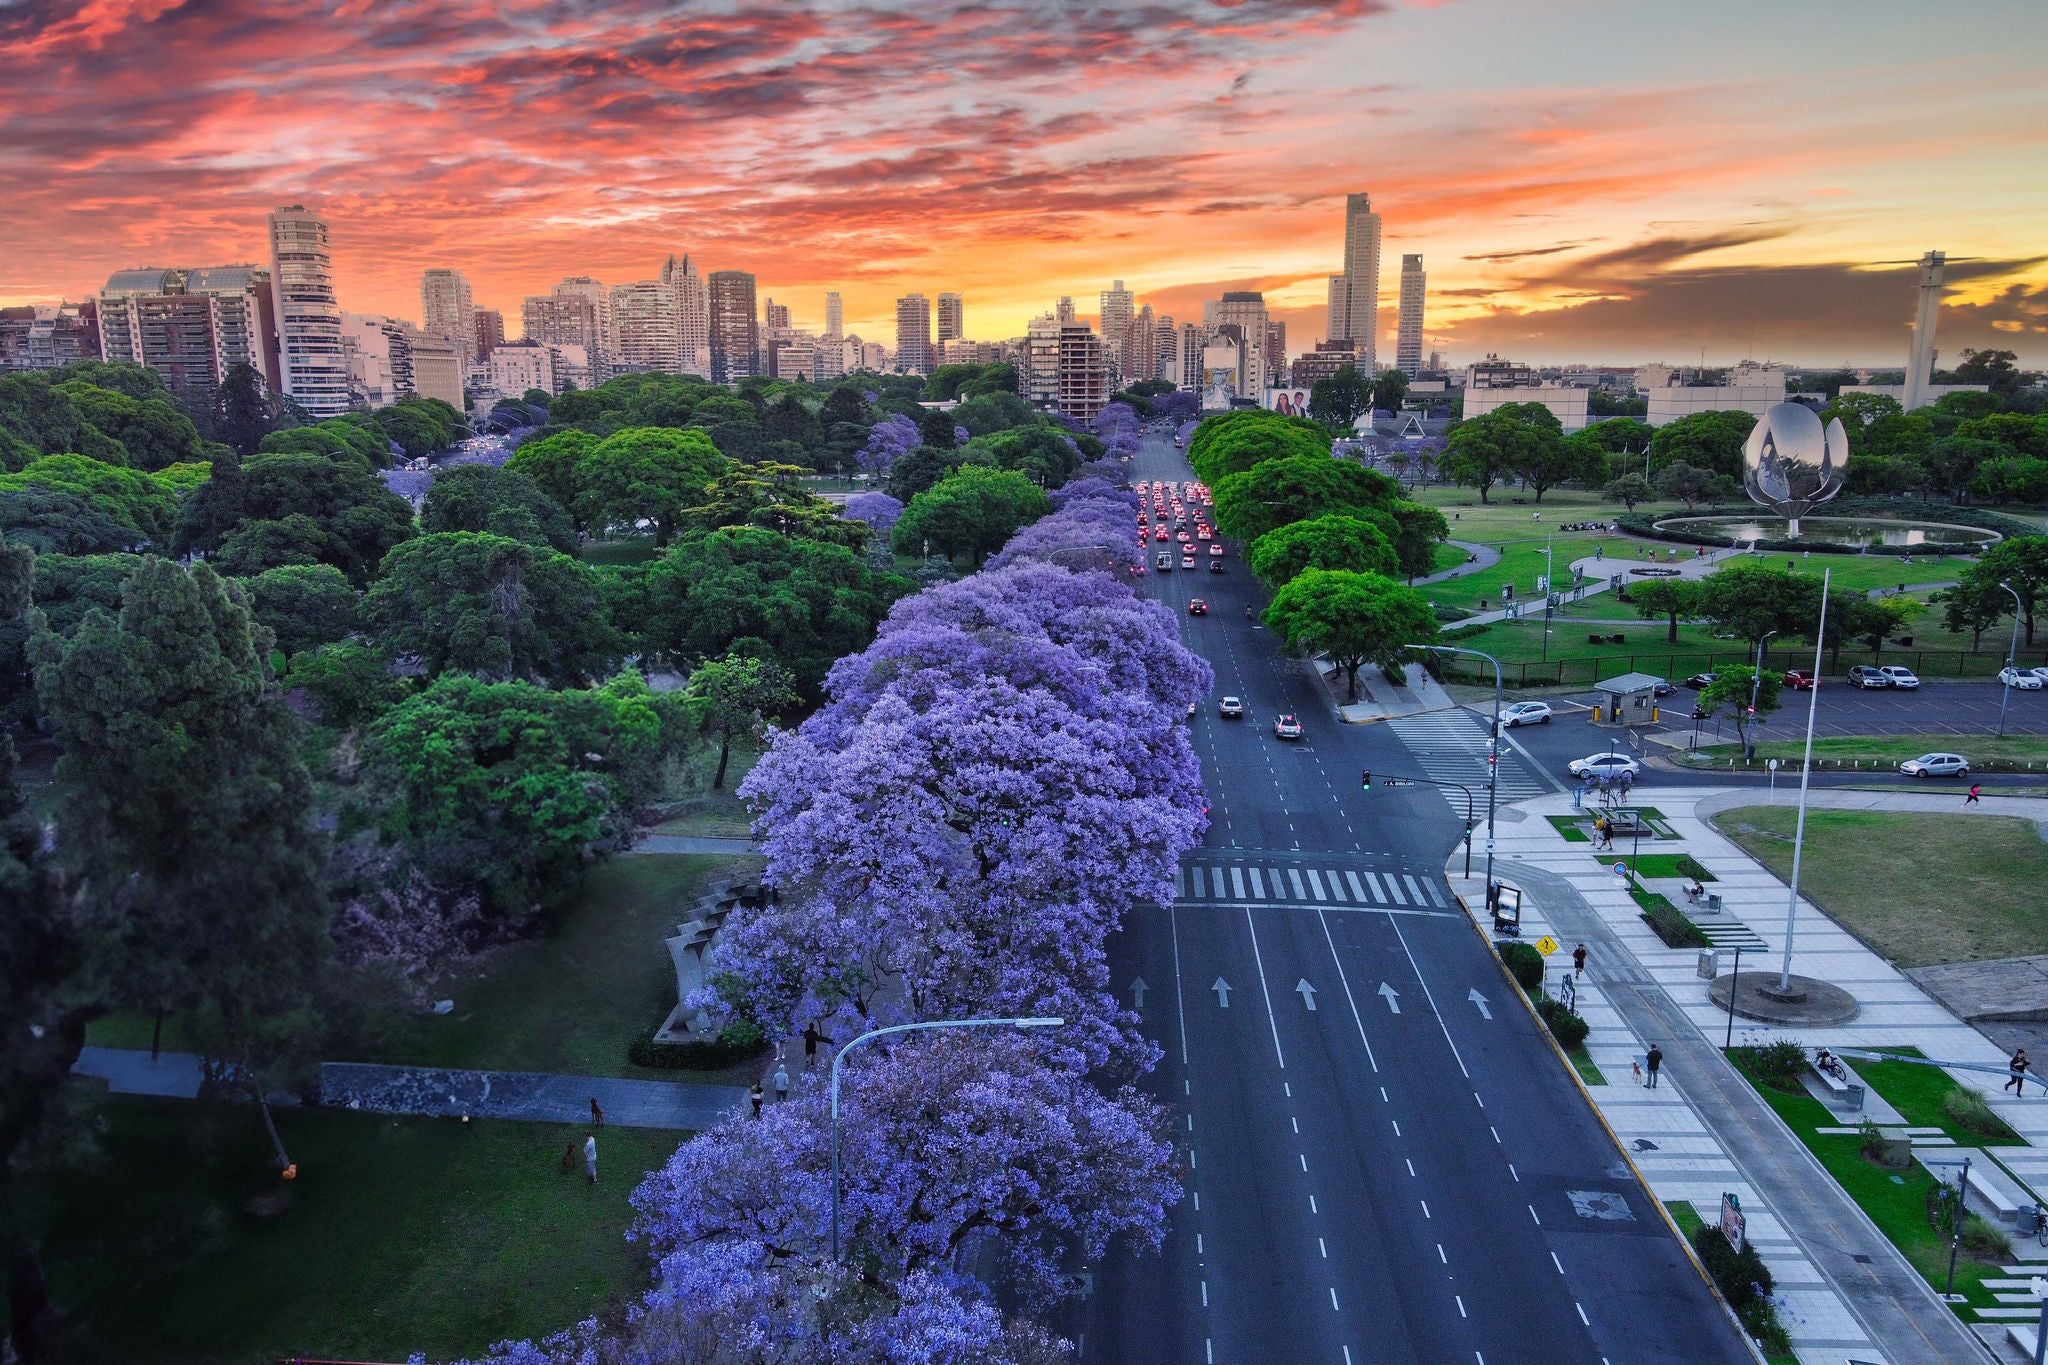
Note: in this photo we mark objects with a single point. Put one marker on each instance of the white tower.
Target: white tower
(1920, 364)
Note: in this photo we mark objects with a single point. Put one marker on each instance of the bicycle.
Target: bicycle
(2040, 1228)
(1832, 1065)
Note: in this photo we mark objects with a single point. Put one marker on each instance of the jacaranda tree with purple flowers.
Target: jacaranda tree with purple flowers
(888, 441)
(878, 510)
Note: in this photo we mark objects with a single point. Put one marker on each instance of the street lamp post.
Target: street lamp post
(1805, 780)
(1492, 747)
(870, 1036)
(1756, 681)
(2012, 651)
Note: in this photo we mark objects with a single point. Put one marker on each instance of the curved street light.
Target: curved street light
(871, 1035)
(2012, 651)
(1492, 745)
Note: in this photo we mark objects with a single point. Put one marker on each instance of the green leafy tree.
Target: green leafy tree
(769, 496)
(350, 682)
(922, 468)
(993, 412)
(552, 462)
(1040, 453)
(1275, 492)
(256, 547)
(970, 512)
(502, 501)
(1751, 599)
(38, 418)
(244, 412)
(844, 404)
(421, 425)
(1619, 436)
(1485, 450)
(1547, 459)
(789, 419)
(1628, 490)
(1974, 605)
(1730, 691)
(1339, 399)
(1389, 391)
(130, 496)
(1333, 542)
(2021, 561)
(304, 605)
(1671, 598)
(2016, 478)
(1234, 442)
(1353, 618)
(1858, 411)
(2028, 435)
(1868, 620)
(358, 519)
(1999, 369)
(1705, 440)
(1691, 485)
(646, 473)
(935, 429)
(153, 432)
(491, 606)
(1953, 461)
(733, 697)
(188, 811)
(1418, 530)
(1000, 377)
(59, 521)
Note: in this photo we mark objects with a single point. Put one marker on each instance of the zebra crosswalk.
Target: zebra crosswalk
(1723, 932)
(1249, 881)
(1450, 746)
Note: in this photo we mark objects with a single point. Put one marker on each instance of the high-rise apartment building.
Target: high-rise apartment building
(774, 316)
(647, 332)
(952, 319)
(734, 326)
(1276, 354)
(914, 334)
(521, 365)
(1189, 379)
(1408, 339)
(43, 336)
(314, 371)
(693, 314)
(835, 316)
(192, 326)
(1119, 305)
(1165, 350)
(1358, 321)
(1241, 315)
(379, 351)
(1323, 362)
(563, 319)
(490, 332)
(437, 369)
(1040, 376)
(605, 344)
(446, 309)
(873, 355)
(1083, 373)
(1064, 311)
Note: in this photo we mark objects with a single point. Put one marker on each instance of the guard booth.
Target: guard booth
(1630, 699)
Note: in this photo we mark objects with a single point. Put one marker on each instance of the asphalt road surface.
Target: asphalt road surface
(1384, 1160)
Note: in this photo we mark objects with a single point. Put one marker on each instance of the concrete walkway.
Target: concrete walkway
(1483, 557)
(1592, 577)
(1845, 1292)
(691, 843)
(534, 1097)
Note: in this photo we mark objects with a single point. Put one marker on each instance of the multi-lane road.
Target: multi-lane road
(1383, 1159)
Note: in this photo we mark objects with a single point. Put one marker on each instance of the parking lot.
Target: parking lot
(1934, 708)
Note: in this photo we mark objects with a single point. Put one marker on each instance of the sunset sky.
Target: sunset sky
(1607, 182)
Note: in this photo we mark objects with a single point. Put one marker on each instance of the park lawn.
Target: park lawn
(632, 550)
(1521, 641)
(1920, 889)
(403, 1235)
(1919, 1093)
(1521, 563)
(1895, 1200)
(574, 1000)
(1448, 556)
(1886, 752)
(1656, 865)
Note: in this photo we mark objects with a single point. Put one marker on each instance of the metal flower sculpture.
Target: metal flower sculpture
(1791, 464)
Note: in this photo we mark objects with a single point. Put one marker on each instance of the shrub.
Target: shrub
(1569, 1028)
(1689, 866)
(1968, 1109)
(737, 1042)
(1741, 1276)
(1672, 927)
(1525, 964)
(1781, 1059)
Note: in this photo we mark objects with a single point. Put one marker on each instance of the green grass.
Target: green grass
(402, 1235)
(1895, 1200)
(1917, 888)
(1568, 826)
(1685, 1215)
(1653, 864)
(1919, 1094)
(637, 550)
(1887, 751)
(1582, 1061)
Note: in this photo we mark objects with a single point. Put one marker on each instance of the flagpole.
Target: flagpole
(1805, 778)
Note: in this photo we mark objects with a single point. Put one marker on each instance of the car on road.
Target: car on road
(1160, 534)
(1215, 551)
(2041, 673)
(1700, 680)
(1865, 676)
(1187, 561)
(1286, 727)
(1605, 765)
(1197, 607)
(2025, 679)
(1183, 537)
(1899, 676)
(1660, 688)
(1231, 708)
(1936, 765)
(1215, 566)
(1799, 679)
(1525, 713)
(1164, 560)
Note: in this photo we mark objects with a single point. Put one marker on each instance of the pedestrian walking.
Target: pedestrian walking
(755, 1096)
(1971, 799)
(812, 1037)
(1579, 960)
(1655, 1059)
(590, 1155)
(781, 1082)
(596, 1113)
(2018, 1067)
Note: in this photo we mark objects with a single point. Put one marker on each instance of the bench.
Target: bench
(1850, 1092)
(1990, 1186)
(1625, 820)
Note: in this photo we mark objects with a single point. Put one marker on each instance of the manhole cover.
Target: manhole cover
(1612, 1208)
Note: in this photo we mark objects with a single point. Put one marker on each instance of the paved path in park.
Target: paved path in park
(1483, 557)
(690, 843)
(442, 1093)
(1845, 1292)
(1592, 578)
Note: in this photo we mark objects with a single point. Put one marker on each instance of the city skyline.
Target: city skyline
(1673, 208)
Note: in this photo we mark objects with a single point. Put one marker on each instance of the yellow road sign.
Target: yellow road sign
(1546, 945)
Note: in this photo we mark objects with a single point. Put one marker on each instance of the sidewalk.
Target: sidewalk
(1845, 1292)
(1379, 699)
(433, 1092)
(691, 843)
(1597, 572)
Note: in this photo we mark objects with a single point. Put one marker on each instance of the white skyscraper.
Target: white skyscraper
(835, 316)
(1359, 294)
(308, 319)
(952, 319)
(644, 320)
(693, 314)
(1408, 341)
(446, 310)
(914, 334)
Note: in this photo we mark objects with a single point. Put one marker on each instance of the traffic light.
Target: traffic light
(1365, 779)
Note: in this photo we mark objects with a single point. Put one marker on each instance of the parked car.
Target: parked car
(1660, 688)
(1799, 679)
(1525, 713)
(1936, 765)
(1700, 680)
(1286, 727)
(1863, 675)
(1231, 708)
(2041, 673)
(2025, 679)
(1605, 765)
(1197, 607)
(1899, 676)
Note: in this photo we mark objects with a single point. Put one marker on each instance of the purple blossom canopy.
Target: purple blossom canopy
(878, 510)
(889, 440)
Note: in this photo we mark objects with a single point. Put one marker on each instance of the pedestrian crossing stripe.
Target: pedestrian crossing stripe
(1450, 746)
(1242, 883)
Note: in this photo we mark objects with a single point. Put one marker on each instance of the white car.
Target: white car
(1230, 708)
(2025, 679)
(1936, 765)
(1605, 765)
(1525, 713)
(1900, 677)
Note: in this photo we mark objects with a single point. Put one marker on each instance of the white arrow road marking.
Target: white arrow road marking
(1222, 989)
(1391, 996)
(1476, 998)
(1307, 993)
(1138, 989)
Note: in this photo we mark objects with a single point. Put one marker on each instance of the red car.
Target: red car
(1159, 534)
(1799, 679)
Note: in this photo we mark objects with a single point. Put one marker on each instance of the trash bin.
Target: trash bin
(1710, 963)
(1714, 902)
